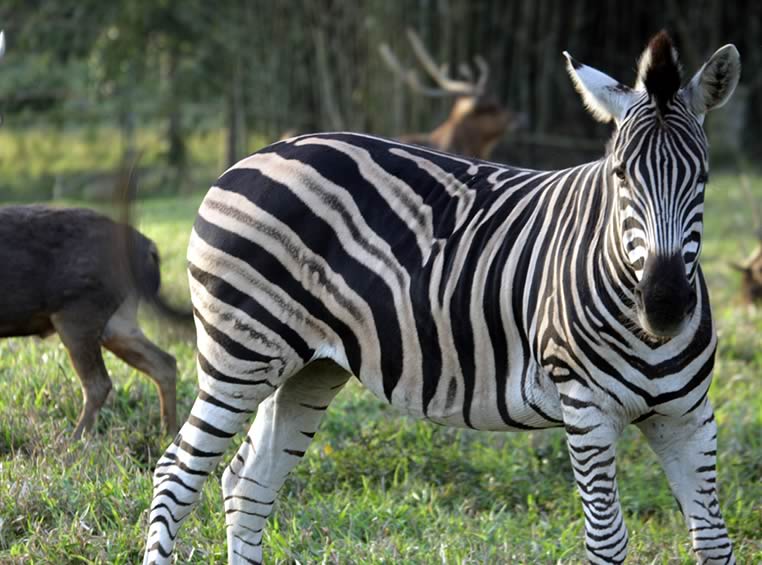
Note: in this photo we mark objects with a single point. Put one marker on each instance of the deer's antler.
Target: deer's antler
(447, 86)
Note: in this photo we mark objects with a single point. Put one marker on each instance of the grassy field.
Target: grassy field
(375, 487)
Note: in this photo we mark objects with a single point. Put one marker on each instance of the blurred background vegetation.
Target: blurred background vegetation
(195, 85)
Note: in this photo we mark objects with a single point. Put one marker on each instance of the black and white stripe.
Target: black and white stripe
(464, 292)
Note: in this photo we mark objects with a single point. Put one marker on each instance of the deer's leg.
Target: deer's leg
(123, 337)
(687, 448)
(80, 334)
(591, 440)
(282, 431)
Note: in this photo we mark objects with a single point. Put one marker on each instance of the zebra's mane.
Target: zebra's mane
(659, 74)
(659, 70)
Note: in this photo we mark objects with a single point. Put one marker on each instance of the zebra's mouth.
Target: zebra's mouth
(664, 298)
(662, 332)
(664, 319)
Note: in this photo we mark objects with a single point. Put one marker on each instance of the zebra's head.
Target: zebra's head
(658, 168)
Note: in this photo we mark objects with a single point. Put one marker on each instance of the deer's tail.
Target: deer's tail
(141, 253)
(146, 275)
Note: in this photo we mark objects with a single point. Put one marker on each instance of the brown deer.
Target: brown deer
(476, 122)
(79, 274)
(751, 267)
(751, 275)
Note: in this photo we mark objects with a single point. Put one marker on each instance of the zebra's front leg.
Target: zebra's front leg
(687, 447)
(591, 441)
(282, 431)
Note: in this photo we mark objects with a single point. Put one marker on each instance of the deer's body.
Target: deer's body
(72, 271)
(473, 128)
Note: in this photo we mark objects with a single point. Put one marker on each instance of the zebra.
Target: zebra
(467, 293)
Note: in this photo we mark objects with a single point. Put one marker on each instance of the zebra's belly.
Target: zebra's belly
(528, 400)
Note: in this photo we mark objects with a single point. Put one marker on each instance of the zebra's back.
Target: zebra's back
(386, 258)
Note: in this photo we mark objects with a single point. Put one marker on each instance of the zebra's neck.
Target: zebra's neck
(586, 277)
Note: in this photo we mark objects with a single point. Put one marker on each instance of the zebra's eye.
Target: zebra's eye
(619, 172)
(703, 178)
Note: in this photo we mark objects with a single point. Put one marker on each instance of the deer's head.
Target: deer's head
(477, 120)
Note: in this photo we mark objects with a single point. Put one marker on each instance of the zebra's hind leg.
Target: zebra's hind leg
(218, 414)
(687, 447)
(282, 431)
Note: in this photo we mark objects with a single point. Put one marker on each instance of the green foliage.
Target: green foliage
(375, 487)
(42, 162)
(190, 66)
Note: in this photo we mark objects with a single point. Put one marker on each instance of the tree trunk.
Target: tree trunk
(177, 156)
(235, 117)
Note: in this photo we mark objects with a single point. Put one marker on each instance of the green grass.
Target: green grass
(375, 487)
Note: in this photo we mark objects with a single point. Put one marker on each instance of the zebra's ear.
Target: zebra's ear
(715, 82)
(605, 98)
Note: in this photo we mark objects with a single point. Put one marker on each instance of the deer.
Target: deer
(477, 120)
(751, 267)
(751, 275)
(79, 274)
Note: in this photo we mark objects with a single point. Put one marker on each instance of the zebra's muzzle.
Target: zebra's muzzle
(664, 298)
